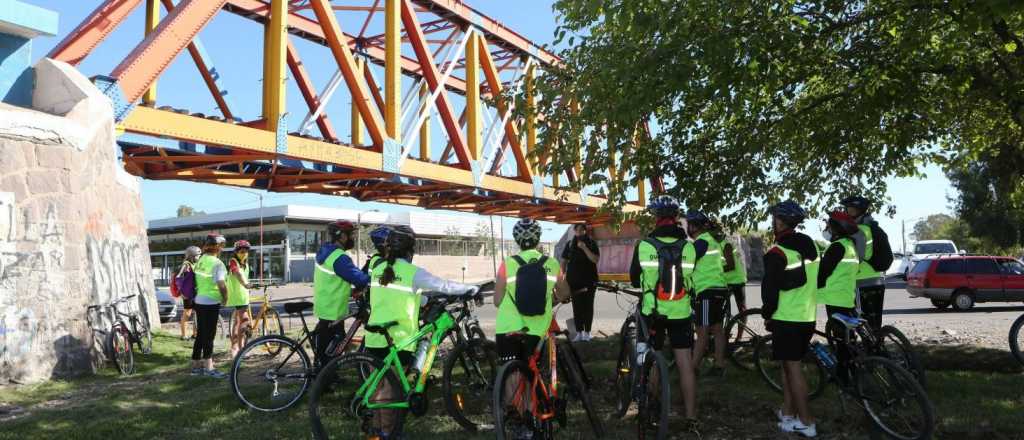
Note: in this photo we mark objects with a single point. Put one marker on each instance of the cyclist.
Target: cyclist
(788, 293)
(192, 254)
(667, 311)
(333, 281)
(395, 296)
(704, 253)
(379, 237)
(734, 267)
(238, 294)
(211, 292)
(875, 253)
(837, 276)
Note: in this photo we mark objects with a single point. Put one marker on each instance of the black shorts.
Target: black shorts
(515, 346)
(791, 340)
(680, 332)
(709, 309)
(188, 303)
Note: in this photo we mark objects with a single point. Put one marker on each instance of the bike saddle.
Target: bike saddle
(380, 328)
(297, 307)
(849, 321)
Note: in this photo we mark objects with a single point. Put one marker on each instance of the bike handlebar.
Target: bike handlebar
(619, 290)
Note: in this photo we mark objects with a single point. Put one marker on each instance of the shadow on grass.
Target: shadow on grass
(967, 358)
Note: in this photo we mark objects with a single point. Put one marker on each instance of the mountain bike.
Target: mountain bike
(469, 370)
(271, 373)
(891, 396)
(267, 321)
(527, 399)
(378, 392)
(127, 329)
(1017, 339)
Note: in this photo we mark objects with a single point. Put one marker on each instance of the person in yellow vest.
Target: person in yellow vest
(666, 306)
(875, 253)
(238, 294)
(211, 292)
(837, 278)
(396, 295)
(788, 295)
(335, 276)
(709, 288)
(734, 267)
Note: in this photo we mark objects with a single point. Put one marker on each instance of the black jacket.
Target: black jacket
(661, 231)
(830, 261)
(775, 268)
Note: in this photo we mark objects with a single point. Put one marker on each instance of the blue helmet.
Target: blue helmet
(696, 217)
(858, 202)
(789, 211)
(663, 206)
(379, 236)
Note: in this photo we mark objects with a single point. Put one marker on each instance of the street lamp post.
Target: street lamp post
(359, 227)
(903, 231)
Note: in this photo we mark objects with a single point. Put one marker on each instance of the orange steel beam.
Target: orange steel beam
(100, 23)
(433, 77)
(347, 64)
(149, 59)
(308, 93)
(511, 130)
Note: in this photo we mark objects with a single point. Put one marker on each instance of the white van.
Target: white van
(928, 249)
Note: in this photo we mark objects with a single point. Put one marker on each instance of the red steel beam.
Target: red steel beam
(100, 23)
(308, 93)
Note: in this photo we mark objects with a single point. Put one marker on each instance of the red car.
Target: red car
(964, 280)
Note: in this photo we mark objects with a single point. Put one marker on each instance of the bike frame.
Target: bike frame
(548, 391)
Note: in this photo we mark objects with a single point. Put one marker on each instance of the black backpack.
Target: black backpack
(531, 294)
(881, 251)
(670, 285)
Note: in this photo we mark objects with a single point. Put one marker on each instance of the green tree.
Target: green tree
(932, 227)
(987, 206)
(753, 101)
(188, 211)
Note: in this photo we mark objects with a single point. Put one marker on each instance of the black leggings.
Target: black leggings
(206, 323)
(324, 334)
(583, 308)
(872, 299)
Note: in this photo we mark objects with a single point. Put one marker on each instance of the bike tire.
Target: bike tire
(579, 389)
(814, 373)
(1017, 339)
(508, 419)
(650, 409)
(121, 349)
(744, 334)
(469, 372)
(906, 356)
(625, 368)
(878, 380)
(271, 324)
(258, 373)
(145, 338)
(333, 399)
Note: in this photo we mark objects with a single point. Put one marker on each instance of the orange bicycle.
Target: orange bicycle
(527, 401)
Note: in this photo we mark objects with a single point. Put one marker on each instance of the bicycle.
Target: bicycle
(349, 385)
(469, 371)
(542, 397)
(1017, 339)
(271, 373)
(267, 321)
(885, 390)
(123, 335)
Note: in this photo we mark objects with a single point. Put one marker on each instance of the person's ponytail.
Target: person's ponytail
(389, 272)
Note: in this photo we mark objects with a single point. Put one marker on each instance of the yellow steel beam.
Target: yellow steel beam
(473, 107)
(357, 121)
(425, 128)
(392, 68)
(152, 20)
(274, 59)
(493, 78)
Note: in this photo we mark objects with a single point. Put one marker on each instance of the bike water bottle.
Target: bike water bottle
(641, 349)
(421, 354)
(824, 354)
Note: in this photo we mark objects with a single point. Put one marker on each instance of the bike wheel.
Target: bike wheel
(469, 375)
(578, 388)
(121, 349)
(654, 397)
(513, 418)
(771, 371)
(744, 331)
(1017, 339)
(336, 399)
(271, 373)
(624, 368)
(893, 398)
(145, 337)
(895, 346)
(271, 325)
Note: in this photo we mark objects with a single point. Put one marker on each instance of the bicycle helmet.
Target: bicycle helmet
(697, 218)
(401, 241)
(336, 228)
(379, 236)
(858, 202)
(663, 206)
(789, 212)
(193, 251)
(841, 223)
(214, 239)
(526, 233)
(242, 244)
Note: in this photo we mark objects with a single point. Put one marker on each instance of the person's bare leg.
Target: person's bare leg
(700, 346)
(182, 321)
(687, 382)
(787, 398)
(243, 326)
(798, 391)
(720, 341)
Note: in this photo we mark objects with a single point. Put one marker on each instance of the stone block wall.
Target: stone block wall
(72, 231)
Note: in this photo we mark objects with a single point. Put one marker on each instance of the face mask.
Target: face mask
(349, 244)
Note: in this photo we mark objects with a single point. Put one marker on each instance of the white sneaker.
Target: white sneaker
(586, 336)
(782, 417)
(795, 426)
(578, 337)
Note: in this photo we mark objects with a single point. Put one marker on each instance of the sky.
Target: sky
(235, 47)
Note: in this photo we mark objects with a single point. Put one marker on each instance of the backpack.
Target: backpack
(531, 294)
(670, 285)
(881, 251)
(185, 284)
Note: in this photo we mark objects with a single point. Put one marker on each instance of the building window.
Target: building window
(297, 241)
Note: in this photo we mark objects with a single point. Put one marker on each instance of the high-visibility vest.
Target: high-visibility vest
(841, 286)
(509, 320)
(330, 291)
(798, 304)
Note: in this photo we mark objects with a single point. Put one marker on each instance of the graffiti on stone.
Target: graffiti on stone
(116, 267)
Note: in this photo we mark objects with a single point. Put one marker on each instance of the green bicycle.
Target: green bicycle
(376, 391)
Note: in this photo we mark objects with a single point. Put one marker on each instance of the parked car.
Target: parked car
(928, 249)
(168, 304)
(963, 280)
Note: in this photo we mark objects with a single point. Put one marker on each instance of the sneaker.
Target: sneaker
(587, 337)
(196, 372)
(795, 426)
(215, 374)
(782, 417)
(578, 337)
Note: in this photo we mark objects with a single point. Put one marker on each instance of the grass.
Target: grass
(976, 393)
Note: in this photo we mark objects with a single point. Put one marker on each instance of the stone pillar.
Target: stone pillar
(19, 24)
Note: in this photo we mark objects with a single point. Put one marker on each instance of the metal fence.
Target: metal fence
(470, 248)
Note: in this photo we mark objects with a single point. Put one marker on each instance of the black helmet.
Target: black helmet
(663, 206)
(335, 228)
(858, 202)
(697, 218)
(789, 211)
(214, 239)
(402, 241)
(526, 233)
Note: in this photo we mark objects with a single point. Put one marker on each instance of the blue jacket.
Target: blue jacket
(343, 266)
